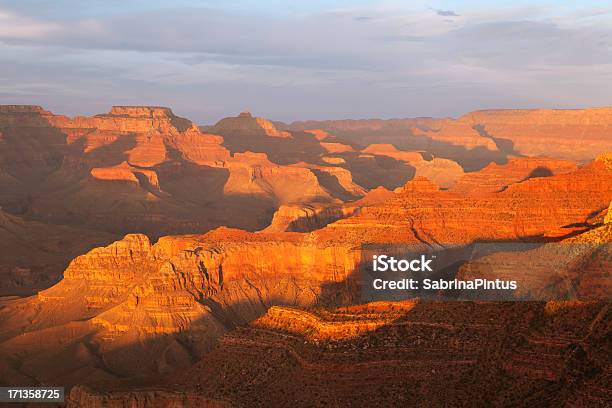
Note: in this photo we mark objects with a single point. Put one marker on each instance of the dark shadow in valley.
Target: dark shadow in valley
(300, 147)
(505, 146)
(375, 171)
(541, 171)
(330, 183)
(404, 139)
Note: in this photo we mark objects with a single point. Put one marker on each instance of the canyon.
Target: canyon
(148, 260)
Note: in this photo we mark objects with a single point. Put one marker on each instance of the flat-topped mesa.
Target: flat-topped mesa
(137, 119)
(133, 119)
(387, 149)
(246, 124)
(141, 111)
(22, 109)
(588, 116)
(20, 116)
(335, 147)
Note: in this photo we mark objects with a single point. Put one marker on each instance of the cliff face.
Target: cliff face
(575, 267)
(443, 172)
(538, 207)
(497, 177)
(579, 134)
(305, 218)
(456, 133)
(253, 174)
(151, 308)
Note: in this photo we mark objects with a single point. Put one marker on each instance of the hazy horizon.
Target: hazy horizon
(289, 122)
(317, 60)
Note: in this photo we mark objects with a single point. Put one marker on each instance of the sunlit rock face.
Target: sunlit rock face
(578, 134)
(152, 308)
(305, 218)
(608, 218)
(456, 133)
(538, 207)
(496, 177)
(246, 125)
(443, 172)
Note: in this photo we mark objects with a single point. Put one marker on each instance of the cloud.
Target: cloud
(363, 18)
(446, 13)
(14, 26)
(212, 62)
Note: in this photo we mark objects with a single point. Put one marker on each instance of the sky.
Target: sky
(298, 60)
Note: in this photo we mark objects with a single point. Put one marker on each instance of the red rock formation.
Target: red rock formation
(444, 138)
(333, 160)
(86, 397)
(305, 218)
(456, 133)
(178, 178)
(132, 291)
(544, 207)
(497, 177)
(247, 125)
(337, 181)
(333, 147)
(443, 172)
(375, 196)
(578, 267)
(125, 172)
(318, 133)
(578, 134)
(253, 174)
